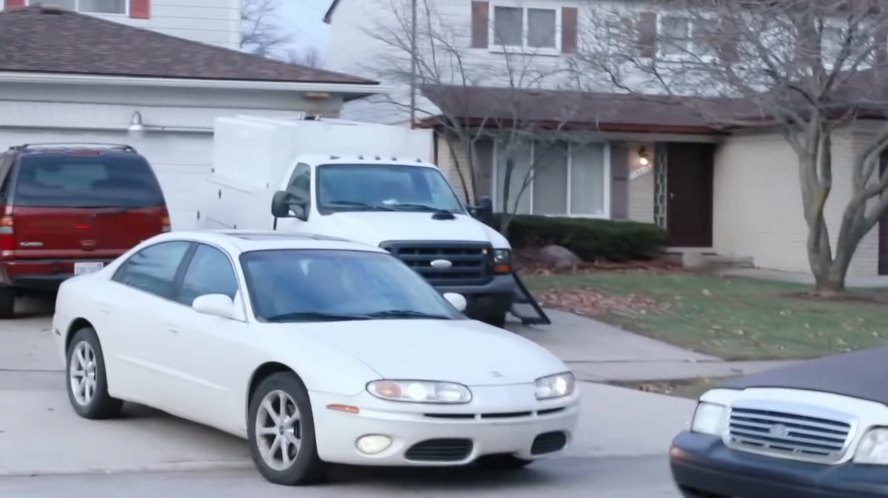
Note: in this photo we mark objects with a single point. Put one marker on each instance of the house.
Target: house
(72, 77)
(732, 194)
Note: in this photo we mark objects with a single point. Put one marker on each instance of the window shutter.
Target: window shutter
(15, 4)
(728, 50)
(480, 24)
(647, 34)
(619, 182)
(140, 9)
(568, 30)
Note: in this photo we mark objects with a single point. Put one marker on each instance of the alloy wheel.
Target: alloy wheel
(83, 374)
(278, 430)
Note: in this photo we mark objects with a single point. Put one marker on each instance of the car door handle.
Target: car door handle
(172, 328)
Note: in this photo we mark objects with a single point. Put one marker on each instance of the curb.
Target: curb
(151, 468)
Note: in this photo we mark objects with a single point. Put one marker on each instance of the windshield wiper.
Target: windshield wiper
(422, 207)
(360, 205)
(406, 314)
(315, 316)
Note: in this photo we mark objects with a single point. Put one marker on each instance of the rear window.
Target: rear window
(60, 180)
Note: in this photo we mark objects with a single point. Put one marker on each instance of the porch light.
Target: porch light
(643, 157)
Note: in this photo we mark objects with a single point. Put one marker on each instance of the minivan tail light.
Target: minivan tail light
(7, 234)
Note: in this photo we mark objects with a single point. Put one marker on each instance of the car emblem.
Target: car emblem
(779, 430)
(441, 263)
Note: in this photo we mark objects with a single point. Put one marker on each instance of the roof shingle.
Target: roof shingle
(51, 40)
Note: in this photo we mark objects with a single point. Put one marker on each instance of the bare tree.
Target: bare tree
(261, 33)
(807, 68)
(476, 98)
(309, 57)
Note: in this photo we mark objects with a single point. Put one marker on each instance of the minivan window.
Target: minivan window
(63, 180)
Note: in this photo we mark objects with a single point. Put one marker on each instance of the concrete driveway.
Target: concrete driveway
(619, 449)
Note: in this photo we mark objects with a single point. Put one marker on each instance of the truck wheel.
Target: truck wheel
(7, 302)
(498, 320)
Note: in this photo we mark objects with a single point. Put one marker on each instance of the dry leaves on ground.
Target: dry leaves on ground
(587, 302)
(528, 262)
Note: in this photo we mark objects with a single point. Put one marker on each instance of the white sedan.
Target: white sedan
(315, 350)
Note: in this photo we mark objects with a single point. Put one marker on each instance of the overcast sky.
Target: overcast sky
(306, 19)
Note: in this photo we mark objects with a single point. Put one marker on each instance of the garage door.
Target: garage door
(180, 161)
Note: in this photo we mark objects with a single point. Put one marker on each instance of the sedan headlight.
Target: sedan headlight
(420, 391)
(555, 386)
(709, 418)
(873, 447)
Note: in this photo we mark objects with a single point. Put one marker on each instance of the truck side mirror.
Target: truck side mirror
(483, 210)
(284, 206)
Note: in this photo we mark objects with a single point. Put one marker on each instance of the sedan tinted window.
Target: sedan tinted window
(209, 272)
(154, 268)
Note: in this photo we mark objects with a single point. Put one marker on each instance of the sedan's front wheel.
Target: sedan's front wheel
(281, 432)
(87, 378)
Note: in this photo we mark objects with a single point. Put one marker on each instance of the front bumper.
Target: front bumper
(436, 435)
(491, 299)
(703, 464)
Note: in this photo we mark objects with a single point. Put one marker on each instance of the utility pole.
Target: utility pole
(413, 65)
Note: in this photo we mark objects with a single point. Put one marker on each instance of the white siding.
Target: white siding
(180, 157)
(758, 203)
(216, 22)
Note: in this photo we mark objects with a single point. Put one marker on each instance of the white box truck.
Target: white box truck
(367, 182)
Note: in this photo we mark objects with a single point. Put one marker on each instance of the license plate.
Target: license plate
(86, 268)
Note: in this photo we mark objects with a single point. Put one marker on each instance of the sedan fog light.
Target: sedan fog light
(373, 444)
(873, 448)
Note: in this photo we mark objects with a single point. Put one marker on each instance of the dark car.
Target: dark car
(815, 429)
(68, 209)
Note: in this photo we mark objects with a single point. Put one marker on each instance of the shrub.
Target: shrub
(590, 239)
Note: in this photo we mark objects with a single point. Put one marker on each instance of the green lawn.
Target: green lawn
(734, 318)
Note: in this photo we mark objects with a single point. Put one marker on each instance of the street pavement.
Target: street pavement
(45, 450)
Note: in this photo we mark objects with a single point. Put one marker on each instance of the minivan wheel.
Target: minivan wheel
(87, 378)
(7, 302)
(281, 432)
(498, 320)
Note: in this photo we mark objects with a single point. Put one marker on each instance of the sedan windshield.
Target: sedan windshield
(298, 285)
(384, 187)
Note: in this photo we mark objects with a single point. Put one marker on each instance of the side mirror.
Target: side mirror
(217, 305)
(483, 210)
(457, 300)
(283, 206)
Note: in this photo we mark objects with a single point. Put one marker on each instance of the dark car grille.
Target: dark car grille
(548, 442)
(788, 435)
(470, 263)
(440, 450)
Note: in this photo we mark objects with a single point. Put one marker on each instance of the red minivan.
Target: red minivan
(69, 209)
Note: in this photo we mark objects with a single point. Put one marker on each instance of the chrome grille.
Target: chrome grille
(467, 263)
(788, 434)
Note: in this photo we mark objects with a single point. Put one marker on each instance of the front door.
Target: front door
(689, 172)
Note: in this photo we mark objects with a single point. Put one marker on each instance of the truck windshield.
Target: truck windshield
(292, 285)
(389, 187)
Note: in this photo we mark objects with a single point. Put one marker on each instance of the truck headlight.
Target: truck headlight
(709, 418)
(555, 386)
(502, 261)
(420, 391)
(873, 447)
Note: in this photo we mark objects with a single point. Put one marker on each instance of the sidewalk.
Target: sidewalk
(878, 282)
(598, 352)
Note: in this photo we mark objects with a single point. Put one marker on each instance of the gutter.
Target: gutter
(362, 89)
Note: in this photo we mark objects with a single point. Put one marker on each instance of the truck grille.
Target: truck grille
(788, 435)
(469, 263)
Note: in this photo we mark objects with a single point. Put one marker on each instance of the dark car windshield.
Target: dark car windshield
(373, 187)
(66, 180)
(313, 285)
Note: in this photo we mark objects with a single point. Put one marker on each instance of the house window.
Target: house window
(686, 37)
(564, 179)
(87, 6)
(525, 28)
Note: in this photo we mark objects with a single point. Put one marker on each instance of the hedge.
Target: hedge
(590, 239)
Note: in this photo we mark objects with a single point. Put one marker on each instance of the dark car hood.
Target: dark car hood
(861, 374)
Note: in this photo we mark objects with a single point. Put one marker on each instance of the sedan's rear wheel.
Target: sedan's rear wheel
(281, 432)
(87, 378)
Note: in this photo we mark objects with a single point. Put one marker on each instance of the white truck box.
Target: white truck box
(255, 157)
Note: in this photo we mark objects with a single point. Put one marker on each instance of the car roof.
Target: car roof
(252, 240)
(65, 147)
(362, 160)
